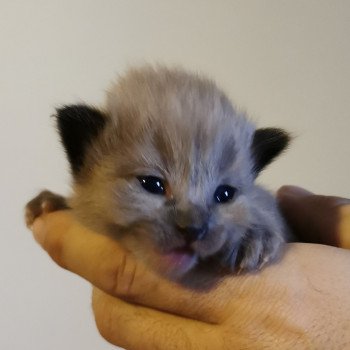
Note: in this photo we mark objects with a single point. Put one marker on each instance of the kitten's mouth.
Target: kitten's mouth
(178, 261)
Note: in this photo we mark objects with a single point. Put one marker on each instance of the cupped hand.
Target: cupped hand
(299, 303)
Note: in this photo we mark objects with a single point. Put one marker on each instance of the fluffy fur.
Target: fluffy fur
(181, 128)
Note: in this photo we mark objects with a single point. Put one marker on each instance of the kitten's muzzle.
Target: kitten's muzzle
(193, 233)
(191, 221)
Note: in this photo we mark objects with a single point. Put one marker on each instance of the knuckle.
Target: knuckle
(120, 276)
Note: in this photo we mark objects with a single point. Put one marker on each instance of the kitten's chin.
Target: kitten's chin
(177, 262)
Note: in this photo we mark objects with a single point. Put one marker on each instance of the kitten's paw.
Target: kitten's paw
(258, 250)
(44, 202)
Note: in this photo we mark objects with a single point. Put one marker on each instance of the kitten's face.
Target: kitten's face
(176, 208)
(171, 172)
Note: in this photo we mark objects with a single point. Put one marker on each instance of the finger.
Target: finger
(102, 261)
(136, 327)
(97, 258)
(313, 218)
(344, 227)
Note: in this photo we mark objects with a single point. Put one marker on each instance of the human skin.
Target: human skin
(301, 302)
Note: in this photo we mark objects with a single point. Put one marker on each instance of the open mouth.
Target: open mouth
(179, 260)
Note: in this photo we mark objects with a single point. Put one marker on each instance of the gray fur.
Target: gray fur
(182, 128)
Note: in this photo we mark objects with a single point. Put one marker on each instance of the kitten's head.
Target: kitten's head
(168, 167)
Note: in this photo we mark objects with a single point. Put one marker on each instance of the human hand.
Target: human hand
(316, 218)
(292, 304)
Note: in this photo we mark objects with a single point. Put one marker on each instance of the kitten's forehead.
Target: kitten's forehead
(184, 118)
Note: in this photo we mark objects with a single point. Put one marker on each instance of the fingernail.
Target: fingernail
(292, 191)
(38, 229)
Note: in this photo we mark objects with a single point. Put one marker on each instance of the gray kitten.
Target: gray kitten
(168, 169)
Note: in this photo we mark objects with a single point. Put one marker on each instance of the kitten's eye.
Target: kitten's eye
(152, 184)
(224, 193)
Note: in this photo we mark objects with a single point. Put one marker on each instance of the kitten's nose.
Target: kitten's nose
(193, 233)
(192, 221)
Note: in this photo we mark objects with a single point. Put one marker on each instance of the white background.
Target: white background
(285, 62)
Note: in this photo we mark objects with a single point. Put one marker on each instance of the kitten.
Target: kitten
(168, 169)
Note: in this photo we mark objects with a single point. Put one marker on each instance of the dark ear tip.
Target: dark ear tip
(281, 136)
(284, 136)
(267, 144)
(287, 138)
(78, 125)
(64, 109)
(77, 111)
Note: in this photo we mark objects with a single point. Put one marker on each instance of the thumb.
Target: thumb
(313, 218)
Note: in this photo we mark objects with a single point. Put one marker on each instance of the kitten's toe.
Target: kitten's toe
(263, 262)
(258, 250)
(272, 249)
(45, 202)
(250, 255)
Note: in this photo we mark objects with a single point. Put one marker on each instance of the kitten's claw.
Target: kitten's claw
(265, 261)
(257, 251)
(45, 202)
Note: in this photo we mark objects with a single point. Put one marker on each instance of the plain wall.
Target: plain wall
(285, 62)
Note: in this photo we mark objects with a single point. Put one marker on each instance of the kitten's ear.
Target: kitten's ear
(78, 125)
(267, 144)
